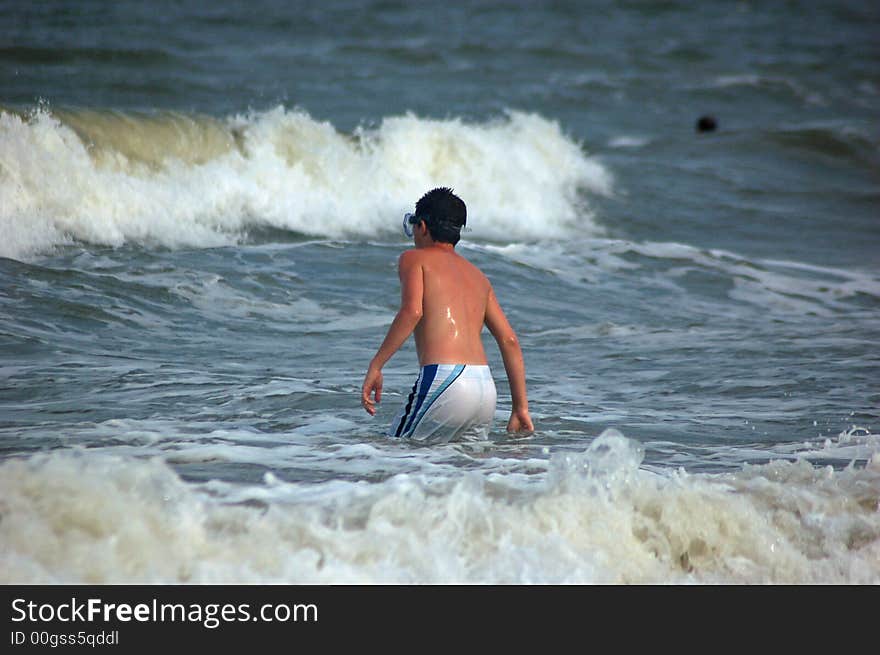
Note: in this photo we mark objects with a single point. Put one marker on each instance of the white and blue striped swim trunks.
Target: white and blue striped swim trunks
(448, 402)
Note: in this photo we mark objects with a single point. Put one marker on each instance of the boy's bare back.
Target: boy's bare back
(454, 298)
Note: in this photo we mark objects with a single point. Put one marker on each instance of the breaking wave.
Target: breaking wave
(174, 180)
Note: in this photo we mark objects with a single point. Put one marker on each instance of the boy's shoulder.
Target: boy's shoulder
(411, 256)
(425, 254)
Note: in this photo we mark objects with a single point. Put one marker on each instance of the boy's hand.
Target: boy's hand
(520, 422)
(372, 385)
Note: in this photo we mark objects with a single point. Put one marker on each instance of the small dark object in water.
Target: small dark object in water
(706, 124)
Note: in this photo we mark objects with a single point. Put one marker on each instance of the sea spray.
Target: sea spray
(593, 517)
(176, 180)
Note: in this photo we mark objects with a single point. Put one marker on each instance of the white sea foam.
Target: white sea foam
(779, 286)
(185, 181)
(595, 516)
(782, 287)
(628, 142)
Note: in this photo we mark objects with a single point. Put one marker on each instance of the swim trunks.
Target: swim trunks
(448, 402)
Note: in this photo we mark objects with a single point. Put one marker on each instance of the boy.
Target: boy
(446, 300)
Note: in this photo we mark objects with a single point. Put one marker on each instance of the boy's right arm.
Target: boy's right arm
(408, 316)
(514, 365)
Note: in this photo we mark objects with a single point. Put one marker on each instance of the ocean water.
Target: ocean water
(199, 226)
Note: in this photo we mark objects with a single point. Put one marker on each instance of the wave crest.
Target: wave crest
(173, 180)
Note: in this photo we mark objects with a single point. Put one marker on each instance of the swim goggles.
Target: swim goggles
(408, 221)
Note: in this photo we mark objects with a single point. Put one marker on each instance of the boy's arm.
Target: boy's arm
(511, 354)
(408, 316)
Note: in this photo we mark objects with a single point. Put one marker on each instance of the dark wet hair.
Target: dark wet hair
(444, 213)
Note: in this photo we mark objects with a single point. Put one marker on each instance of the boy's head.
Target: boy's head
(444, 213)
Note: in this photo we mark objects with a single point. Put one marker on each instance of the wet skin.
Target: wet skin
(445, 301)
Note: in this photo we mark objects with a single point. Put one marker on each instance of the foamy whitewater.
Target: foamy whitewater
(199, 229)
(173, 181)
(586, 517)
